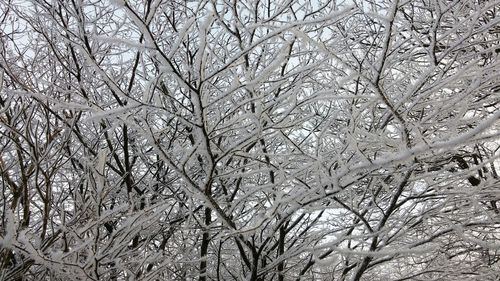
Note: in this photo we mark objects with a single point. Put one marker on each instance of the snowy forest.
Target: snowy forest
(249, 140)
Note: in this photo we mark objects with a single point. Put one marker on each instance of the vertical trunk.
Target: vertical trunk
(281, 250)
(47, 203)
(204, 245)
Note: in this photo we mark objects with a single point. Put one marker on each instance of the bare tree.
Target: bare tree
(249, 140)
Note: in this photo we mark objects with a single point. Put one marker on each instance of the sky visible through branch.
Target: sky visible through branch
(249, 140)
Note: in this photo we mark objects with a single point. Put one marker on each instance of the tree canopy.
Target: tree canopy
(249, 140)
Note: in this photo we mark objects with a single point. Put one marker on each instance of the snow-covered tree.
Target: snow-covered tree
(249, 140)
